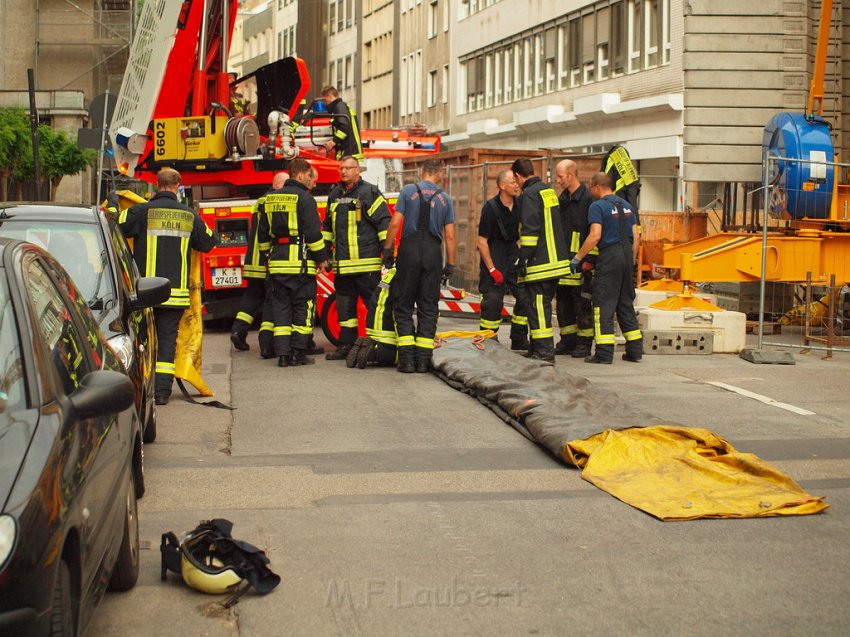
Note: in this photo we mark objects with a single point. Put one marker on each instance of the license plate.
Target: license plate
(226, 277)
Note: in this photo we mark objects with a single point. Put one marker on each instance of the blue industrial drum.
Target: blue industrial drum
(799, 189)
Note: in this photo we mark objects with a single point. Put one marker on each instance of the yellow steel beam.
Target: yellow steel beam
(737, 257)
(819, 72)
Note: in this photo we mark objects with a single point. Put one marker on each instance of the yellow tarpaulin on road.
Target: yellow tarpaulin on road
(684, 473)
(669, 471)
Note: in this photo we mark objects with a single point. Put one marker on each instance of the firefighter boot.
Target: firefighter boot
(240, 340)
(299, 357)
(340, 354)
(604, 354)
(634, 351)
(406, 362)
(519, 345)
(266, 340)
(566, 345)
(543, 350)
(583, 347)
(285, 360)
(422, 360)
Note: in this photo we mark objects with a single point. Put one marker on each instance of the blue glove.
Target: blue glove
(575, 265)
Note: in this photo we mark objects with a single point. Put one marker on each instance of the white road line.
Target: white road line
(765, 399)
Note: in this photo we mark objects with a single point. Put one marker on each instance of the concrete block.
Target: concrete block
(729, 329)
(678, 342)
(767, 356)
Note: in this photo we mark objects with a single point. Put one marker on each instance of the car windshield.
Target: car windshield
(12, 396)
(77, 246)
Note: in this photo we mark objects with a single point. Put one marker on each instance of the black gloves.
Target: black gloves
(389, 258)
(521, 266)
(575, 265)
(113, 203)
(448, 271)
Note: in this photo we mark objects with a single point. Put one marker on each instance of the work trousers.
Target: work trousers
(614, 293)
(252, 300)
(167, 321)
(574, 309)
(266, 335)
(293, 302)
(349, 288)
(540, 297)
(493, 301)
(416, 286)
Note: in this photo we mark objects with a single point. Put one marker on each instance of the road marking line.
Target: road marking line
(765, 399)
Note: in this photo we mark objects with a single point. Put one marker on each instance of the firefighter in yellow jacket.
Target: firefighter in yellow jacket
(542, 255)
(165, 232)
(289, 223)
(356, 226)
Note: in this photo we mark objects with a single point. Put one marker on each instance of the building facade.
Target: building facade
(376, 94)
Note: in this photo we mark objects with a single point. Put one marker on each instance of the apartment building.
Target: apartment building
(376, 92)
(343, 58)
(424, 60)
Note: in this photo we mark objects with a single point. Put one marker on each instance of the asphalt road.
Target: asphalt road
(392, 504)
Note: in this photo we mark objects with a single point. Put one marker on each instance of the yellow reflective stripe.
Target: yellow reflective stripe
(348, 323)
(543, 332)
(382, 236)
(486, 324)
(569, 329)
(302, 329)
(266, 326)
(348, 266)
(404, 341)
(122, 218)
(518, 319)
(541, 313)
(163, 367)
(244, 316)
(594, 250)
(570, 280)
(315, 246)
(377, 203)
(328, 236)
(633, 335)
(353, 246)
(356, 132)
(596, 325)
(575, 241)
(586, 332)
(604, 339)
(528, 240)
(184, 265)
(424, 342)
(550, 200)
(340, 134)
(282, 330)
(264, 247)
(150, 265)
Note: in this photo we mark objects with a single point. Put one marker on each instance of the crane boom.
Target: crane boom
(816, 89)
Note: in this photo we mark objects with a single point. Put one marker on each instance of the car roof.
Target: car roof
(48, 212)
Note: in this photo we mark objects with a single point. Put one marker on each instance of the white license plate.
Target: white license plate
(226, 277)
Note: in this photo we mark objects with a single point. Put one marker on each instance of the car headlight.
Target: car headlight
(123, 348)
(8, 530)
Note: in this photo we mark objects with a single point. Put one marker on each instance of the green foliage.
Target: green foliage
(15, 146)
(60, 155)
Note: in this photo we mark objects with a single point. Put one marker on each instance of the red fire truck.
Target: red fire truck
(174, 109)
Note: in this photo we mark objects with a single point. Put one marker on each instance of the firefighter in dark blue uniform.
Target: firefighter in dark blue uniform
(573, 298)
(289, 223)
(255, 272)
(542, 255)
(356, 227)
(165, 232)
(428, 217)
(498, 245)
(345, 131)
(613, 228)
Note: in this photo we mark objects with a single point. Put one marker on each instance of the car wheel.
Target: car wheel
(62, 614)
(126, 571)
(139, 470)
(150, 426)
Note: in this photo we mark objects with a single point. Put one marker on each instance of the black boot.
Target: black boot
(583, 347)
(543, 350)
(406, 363)
(299, 357)
(313, 349)
(634, 351)
(519, 344)
(339, 355)
(604, 355)
(285, 360)
(239, 340)
(422, 360)
(565, 346)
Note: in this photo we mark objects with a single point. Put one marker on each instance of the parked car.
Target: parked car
(94, 252)
(70, 448)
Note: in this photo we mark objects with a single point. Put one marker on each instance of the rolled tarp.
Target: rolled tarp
(667, 470)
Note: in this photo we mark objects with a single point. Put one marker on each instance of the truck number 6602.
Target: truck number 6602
(159, 135)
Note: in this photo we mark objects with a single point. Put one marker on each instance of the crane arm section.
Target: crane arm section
(816, 90)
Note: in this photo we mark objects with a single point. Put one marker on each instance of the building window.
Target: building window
(349, 71)
(603, 33)
(432, 18)
(635, 35)
(432, 88)
(404, 97)
(498, 94)
(617, 41)
(445, 83)
(332, 17)
(417, 82)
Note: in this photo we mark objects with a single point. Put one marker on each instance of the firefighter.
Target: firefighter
(289, 223)
(355, 225)
(165, 233)
(624, 178)
(613, 228)
(498, 245)
(428, 216)
(255, 273)
(542, 255)
(346, 133)
(573, 298)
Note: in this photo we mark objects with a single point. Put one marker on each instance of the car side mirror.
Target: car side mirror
(103, 392)
(150, 291)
